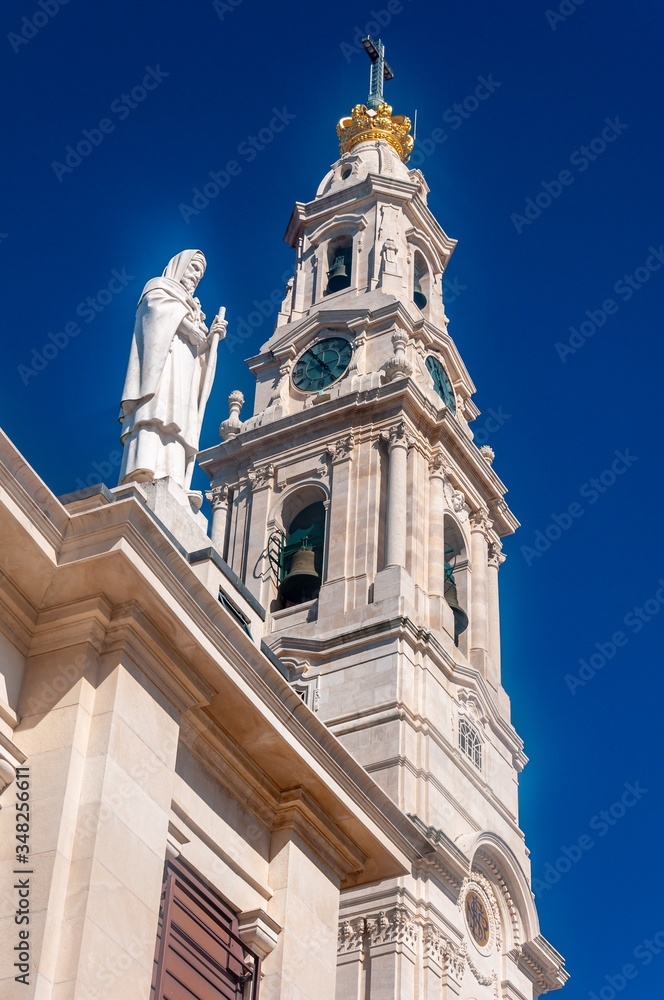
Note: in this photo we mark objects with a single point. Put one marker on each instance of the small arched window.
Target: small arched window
(339, 262)
(470, 743)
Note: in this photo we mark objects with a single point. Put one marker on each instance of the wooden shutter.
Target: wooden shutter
(199, 955)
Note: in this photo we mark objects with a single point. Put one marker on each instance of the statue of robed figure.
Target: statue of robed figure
(169, 377)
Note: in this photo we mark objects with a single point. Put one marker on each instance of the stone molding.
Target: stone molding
(298, 811)
(351, 935)
(509, 902)
(259, 931)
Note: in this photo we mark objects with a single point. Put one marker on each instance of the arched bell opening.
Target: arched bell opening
(421, 281)
(339, 263)
(457, 583)
(297, 551)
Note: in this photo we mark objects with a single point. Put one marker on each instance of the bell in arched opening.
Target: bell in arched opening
(419, 298)
(338, 276)
(302, 582)
(450, 595)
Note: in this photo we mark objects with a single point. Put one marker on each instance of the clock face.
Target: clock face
(441, 382)
(477, 919)
(322, 364)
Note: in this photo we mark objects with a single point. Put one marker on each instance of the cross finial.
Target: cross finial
(380, 70)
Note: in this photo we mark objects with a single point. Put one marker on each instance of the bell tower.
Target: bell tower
(356, 507)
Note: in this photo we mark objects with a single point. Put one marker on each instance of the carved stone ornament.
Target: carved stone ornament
(392, 927)
(487, 453)
(261, 476)
(217, 496)
(389, 263)
(438, 466)
(456, 501)
(341, 448)
(482, 917)
(471, 706)
(398, 366)
(351, 935)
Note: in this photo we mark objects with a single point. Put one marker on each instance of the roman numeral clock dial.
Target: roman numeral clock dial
(322, 364)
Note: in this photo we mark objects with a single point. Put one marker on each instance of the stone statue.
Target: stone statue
(169, 376)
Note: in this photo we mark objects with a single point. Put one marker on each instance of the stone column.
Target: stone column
(479, 612)
(396, 494)
(394, 581)
(496, 558)
(218, 496)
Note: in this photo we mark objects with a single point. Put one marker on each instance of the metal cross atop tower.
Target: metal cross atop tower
(380, 70)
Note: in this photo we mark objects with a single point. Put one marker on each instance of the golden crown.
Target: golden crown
(365, 125)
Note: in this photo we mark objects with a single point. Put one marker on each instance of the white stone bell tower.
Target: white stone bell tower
(355, 506)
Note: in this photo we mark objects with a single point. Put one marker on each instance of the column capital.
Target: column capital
(397, 437)
(438, 466)
(480, 521)
(217, 496)
(496, 555)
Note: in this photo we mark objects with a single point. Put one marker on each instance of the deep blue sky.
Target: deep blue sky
(511, 297)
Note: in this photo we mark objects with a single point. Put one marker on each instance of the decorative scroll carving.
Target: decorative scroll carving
(341, 448)
(471, 706)
(437, 465)
(261, 476)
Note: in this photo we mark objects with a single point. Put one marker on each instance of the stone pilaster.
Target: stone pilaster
(479, 632)
(496, 559)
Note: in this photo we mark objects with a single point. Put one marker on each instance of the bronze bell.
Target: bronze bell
(460, 616)
(337, 276)
(301, 583)
(419, 298)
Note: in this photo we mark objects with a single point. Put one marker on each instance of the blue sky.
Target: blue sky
(551, 181)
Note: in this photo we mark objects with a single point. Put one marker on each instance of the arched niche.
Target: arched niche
(456, 555)
(299, 522)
